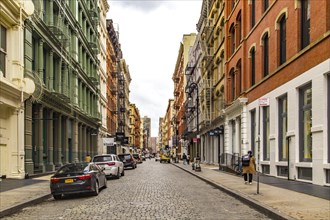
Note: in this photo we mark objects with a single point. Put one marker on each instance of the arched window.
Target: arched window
(239, 77)
(232, 84)
(253, 66)
(232, 39)
(239, 27)
(282, 39)
(265, 40)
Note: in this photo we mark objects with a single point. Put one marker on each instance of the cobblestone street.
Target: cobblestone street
(152, 191)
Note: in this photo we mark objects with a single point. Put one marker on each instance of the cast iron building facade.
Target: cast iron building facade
(62, 119)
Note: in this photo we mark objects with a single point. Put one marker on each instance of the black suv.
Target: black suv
(128, 160)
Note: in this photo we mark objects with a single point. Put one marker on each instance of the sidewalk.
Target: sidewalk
(18, 194)
(276, 202)
(273, 199)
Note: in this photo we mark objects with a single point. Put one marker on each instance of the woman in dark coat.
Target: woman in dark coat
(249, 170)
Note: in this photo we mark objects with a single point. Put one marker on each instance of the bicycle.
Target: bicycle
(238, 167)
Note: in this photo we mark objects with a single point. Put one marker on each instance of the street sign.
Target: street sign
(264, 102)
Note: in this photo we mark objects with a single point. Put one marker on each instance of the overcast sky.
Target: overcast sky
(150, 33)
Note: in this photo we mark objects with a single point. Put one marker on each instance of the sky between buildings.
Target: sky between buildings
(150, 33)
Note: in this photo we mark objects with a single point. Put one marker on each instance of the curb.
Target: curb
(15, 208)
(268, 211)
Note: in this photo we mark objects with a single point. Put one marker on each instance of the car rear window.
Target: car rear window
(126, 157)
(73, 168)
(102, 158)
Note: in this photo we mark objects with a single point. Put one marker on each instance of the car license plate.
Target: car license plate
(69, 181)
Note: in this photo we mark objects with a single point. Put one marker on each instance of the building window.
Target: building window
(232, 4)
(253, 13)
(239, 78)
(265, 4)
(222, 29)
(265, 54)
(253, 130)
(253, 67)
(233, 135)
(282, 38)
(283, 128)
(239, 28)
(222, 70)
(233, 81)
(232, 39)
(3, 49)
(328, 110)
(305, 23)
(265, 133)
(305, 123)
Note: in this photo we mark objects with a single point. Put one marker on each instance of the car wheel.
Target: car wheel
(123, 173)
(96, 192)
(105, 183)
(57, 197)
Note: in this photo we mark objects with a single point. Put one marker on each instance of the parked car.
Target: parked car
(137, 157)
(111, 163)
(128, 160)
(77, 178)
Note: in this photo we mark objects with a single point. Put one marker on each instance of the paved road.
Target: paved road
(152, 191)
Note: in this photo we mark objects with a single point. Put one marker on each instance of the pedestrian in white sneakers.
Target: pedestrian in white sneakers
(249, 167)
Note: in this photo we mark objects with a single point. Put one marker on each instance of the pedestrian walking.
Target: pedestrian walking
(249, 167)
(88, 158)
(188, 159)
(184, 158)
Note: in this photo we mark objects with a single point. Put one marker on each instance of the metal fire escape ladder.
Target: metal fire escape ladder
(121, 103)
(206, 96)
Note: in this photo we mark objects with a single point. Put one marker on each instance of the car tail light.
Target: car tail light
(111, 164)
(84, 177)
(55, 180)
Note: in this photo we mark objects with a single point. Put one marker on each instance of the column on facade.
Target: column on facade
(75, 150)
(50, 14)
(59, 76)
(50, 148)
(84, 144)
(80, 148)
(65, 79)
(28, 163)
(65, 147)
(41, 59)
(51, 70)
(58, 141)
(40, 146)
(88, 141)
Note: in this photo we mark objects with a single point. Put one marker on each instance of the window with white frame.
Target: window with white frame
(253, 130)
(282, 128)
(265, 133)
(328, 114)
(305, 123)
(3, 49)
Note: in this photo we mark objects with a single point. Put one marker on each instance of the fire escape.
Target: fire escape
(121, 103)
(205, 84)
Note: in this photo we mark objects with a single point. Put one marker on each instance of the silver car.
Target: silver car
(111, 164)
